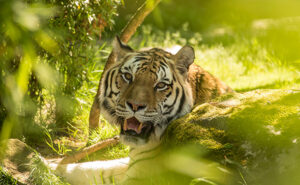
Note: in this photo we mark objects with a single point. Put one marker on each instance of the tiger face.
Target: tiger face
(144, 90)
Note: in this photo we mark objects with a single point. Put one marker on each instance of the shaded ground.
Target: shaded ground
(17, 160)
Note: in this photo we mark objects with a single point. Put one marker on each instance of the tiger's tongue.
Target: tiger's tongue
(133, 124)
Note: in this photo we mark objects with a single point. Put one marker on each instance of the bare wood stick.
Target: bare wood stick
(88, 150)
(135, 21)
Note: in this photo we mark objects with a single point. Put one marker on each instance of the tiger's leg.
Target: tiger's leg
(95, 172)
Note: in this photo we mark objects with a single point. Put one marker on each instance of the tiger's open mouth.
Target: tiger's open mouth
(133, 127)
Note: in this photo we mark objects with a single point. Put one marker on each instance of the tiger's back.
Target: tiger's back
(204, 85)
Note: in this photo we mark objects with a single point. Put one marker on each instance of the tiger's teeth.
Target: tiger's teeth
(125, 124)
(140, 128)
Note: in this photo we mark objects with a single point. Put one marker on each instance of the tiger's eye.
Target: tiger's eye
(128, 76)
(161, 86)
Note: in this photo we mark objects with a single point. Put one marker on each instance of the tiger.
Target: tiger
(142, 92)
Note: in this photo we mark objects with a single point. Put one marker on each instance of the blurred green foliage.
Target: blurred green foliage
(45, 52)
(274, 23)
(52, 53)
(202, 14)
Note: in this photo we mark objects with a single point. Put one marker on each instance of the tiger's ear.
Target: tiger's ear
(184, 58)
(120, 49)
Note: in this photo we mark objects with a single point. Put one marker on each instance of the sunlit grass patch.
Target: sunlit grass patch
(105, 131)
(41, 174)
(247, 70)
(109, 153)
(241, 57)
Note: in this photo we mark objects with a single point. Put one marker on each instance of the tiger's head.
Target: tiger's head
(144, 90)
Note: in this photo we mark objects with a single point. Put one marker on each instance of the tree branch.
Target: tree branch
(88, 150)
(135, 21)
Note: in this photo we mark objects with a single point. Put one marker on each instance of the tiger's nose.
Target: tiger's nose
(135, 107)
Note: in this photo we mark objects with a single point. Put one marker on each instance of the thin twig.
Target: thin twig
(88, 150)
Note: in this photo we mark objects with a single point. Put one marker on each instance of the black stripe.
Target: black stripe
(111, 90)
(163, 58)
(147, 116)
(162, 63)
(120, 120)
(139, 58)
(111, 79)
(169, 111)
(112, 93)
(126, 58)
(117, 84)
(176, 96)
(106, 82)
(165, 74)
(138, 68)
(142, 54)
(174, 78)
(182, 101)
(169, 94)
(106, 105)
(122, 106)
(144, 64)
(163, 69)
(156, 74)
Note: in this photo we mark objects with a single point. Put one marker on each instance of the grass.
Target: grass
(246, 59)
(242, 60)
(105, 131)
(42, 175)
(246, 70)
